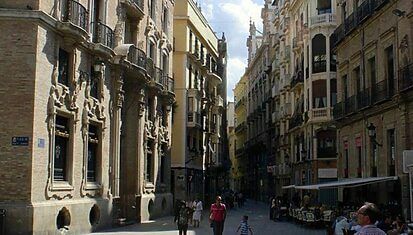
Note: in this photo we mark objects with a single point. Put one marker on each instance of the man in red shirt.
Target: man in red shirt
(217, 216)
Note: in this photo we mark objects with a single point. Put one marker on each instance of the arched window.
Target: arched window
(319, 53)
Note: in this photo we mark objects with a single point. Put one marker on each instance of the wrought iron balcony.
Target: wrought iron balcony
(350, 105)
(168, 83)
(406, 77)
(338, 111)
(75, 13)
(150, 67)
(362, 13)
(380, 91)
(363, 99)
(138, 57)
(102, 34)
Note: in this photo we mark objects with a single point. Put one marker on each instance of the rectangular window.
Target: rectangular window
(63, 76)
(190, 41)
(190, 77)
(345, 87)
(92, 153)
(323, 6)
(357, 80)
(162, 167)
(390, 69)
(391, 151)
(62, 135)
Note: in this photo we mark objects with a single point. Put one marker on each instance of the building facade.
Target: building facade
(199, 150)
(291, 92)
(87, 114)
(239, 163)
(373, 45)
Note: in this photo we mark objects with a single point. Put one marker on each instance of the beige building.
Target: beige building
(86, 113)
(199, 66)
(239, 162)
(291, 91)
(373, 43)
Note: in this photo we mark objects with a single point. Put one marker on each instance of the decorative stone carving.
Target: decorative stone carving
(404, 51)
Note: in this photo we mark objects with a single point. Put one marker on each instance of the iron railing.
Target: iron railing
(150, 67)
(137, 56)
(338, 111)
(102, 34)
(168, 83)
(380, 91)
(362, 13)
(350, 104)
(363, 98)
(406, 77)
(158, 76)
(75, 13)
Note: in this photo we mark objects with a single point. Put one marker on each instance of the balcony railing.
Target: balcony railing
(380, 91)
(323, 19)
(338, 111)
(158, 76)
(150, 67)
(75, 13)
(137, 56)
(102, 34)
(350, 104)
(406, 77)
(363, 12)
(363, 99)
(168, 83)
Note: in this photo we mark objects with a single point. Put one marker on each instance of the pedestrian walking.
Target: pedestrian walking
(197, 212)
(217, 216)
(272, 209)
(244, 226)
(182, 218)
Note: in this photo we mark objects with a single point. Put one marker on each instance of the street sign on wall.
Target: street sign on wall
(20, 141)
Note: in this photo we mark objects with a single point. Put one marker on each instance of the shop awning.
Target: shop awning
(347, 183)
(288, 186)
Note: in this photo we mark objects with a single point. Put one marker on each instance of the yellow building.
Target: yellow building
(240, 132)
(198, 124)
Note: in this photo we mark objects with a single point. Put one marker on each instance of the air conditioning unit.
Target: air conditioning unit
(407, 160)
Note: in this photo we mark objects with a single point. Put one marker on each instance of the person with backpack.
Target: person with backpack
(182, 218)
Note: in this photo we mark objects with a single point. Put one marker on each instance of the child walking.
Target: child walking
(244, 226)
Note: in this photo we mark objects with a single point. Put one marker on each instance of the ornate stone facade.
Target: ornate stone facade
(90, 85)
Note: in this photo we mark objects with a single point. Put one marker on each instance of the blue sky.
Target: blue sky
(232, 17)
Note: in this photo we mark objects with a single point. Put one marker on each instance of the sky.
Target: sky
(232, 17)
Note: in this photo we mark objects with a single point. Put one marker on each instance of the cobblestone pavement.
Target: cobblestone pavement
(258, 220)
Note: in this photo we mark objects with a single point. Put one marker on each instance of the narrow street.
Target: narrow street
(258, 220)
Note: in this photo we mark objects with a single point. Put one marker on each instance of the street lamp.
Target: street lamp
(372, 134)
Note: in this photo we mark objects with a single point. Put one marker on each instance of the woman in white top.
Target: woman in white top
(197, 213)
